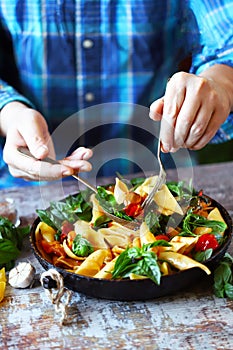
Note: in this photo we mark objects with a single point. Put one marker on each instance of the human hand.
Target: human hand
(192, 109)
(26, 127)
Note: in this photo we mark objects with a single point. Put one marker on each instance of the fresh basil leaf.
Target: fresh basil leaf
(134, 253)
(110, 205)
(47, 217)
(223, 277)
(101, 221)
(8, 251)
(229, 290)
(137, 181)
(150, 267)
(73, 208)
(8, 230)
(191, 221)
(106, 198)
(227, 258)
(153, 223)
(122, 215)
(80, 206)
(203, 256)
(181, 189)
(159, 242)
(139, 261)
(11, 239)
(122, 262)
(81, 246)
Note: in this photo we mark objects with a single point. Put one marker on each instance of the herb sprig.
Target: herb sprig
(223, 278)
(11, 238)
(140, 261)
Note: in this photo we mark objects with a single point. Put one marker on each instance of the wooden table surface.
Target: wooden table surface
(191, 319)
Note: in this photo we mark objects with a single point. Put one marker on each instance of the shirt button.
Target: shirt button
(88, 44)
(89, 97)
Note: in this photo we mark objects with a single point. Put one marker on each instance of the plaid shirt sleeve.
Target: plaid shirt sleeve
(9, 94)
(215, 22)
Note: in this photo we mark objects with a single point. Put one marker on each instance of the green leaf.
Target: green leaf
(181, 189)
(152, 221)
(47, 217)
(106, 198)
(122, 266)
(8, 251)
(203, 256)
(223, 278)
(229, 290)
(191, 221)
(228, 258)
(159, 242)
(139, 261)
(11, 239)
(109, 203)
(8, 230)
(101, 221)
(150, 268)
(74, 208)
(137, 181)
(81, 246)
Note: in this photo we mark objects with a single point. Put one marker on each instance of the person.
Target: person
(60, 57)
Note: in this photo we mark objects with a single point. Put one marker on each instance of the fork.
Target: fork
(160, 181)
(134, 225)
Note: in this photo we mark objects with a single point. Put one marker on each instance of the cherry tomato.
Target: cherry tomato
(206, 241)
(164, 237)
(133, 209)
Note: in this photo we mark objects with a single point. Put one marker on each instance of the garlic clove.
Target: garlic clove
(22, 275)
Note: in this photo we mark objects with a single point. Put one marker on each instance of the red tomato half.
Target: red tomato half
(133, 209)
(206, 241)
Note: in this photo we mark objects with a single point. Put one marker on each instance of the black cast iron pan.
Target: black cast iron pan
(128, 290)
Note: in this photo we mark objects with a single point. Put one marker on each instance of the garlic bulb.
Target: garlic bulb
(22, 275)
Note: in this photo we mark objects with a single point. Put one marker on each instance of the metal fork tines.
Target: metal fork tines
(160, 181)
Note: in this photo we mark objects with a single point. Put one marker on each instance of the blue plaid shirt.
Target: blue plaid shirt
(70, 55)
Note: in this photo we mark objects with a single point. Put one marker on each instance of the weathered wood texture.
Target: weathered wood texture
(192, 320)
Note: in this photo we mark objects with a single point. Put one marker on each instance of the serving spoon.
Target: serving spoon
(134, 224)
